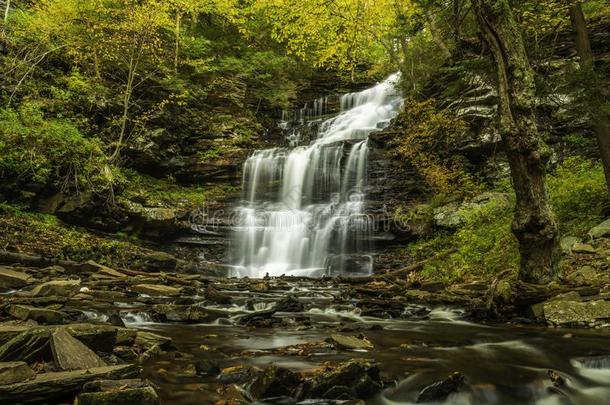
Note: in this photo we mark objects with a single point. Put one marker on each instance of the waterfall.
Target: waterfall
(302, 211)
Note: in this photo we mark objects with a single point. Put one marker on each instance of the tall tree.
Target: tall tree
(595, 91)
(534, 225)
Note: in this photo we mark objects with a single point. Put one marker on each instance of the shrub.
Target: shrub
(50, 152)
(578, 194)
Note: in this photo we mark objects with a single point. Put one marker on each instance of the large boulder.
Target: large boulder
(575, 313)
(70, 354)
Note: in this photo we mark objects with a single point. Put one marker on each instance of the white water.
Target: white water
(303, 207)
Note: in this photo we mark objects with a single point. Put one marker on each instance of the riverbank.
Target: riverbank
(198, 338)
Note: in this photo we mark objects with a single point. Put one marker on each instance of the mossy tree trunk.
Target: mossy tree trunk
(534, 225)
(595, 93)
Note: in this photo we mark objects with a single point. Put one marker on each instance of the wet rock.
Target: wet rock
(600, 230)
(61, 288)
(207, 367)
(119, 396)
(116, 320)
(573, 313)
(583, 248)
(351, 342)
(40, 315)
(440, 390)
(180, 313)
(557, 379)
(10, 278)
(259, 319)
(274, 382)
(212, 294)
(157, 290)
(49, 386)
(70, 354)
(362, 378)
(15, 372)
(289, 304)
(237, 374)
(148, 339)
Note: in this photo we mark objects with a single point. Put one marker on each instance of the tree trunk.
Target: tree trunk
(177, 45)
(436, 35)
(534, 225)
(599, 117)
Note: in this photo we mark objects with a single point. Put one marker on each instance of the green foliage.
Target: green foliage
(46, 235)
(52, 152)
(484, 245)
(429, 134)
(579, 195)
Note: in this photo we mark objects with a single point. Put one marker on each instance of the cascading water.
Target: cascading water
(303, 208)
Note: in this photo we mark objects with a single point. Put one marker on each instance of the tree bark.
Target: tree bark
(534, 225)
(598, 115)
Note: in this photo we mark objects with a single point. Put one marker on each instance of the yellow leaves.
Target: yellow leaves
(341, 32)
(429, 134)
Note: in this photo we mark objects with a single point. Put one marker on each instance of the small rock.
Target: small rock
(274, 382)
(289, 304)
(363, 379)
(237, 375)
(351, 342)
(15, 372)
(207, 367)
(40, 315)
(157, 290)
(583, 248)
(213, 295)
(440, 390)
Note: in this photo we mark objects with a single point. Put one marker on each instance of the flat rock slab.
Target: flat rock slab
(61, 288)
(600, 230)
(158, 290)
(40, 315)
(566, 313)
(70, 354)
(140, 396)
(14, 372)
(10, 278)
(30, 346)
(48, 386)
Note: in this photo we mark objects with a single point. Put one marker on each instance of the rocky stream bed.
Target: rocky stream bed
(88, 334)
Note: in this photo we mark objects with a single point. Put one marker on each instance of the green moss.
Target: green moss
(154, 192)
(46, 235)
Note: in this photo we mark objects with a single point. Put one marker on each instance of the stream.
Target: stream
(502, 364)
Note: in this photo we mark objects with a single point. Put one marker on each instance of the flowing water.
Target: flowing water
(502, 364)
(303, 207)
